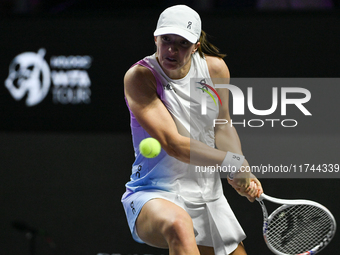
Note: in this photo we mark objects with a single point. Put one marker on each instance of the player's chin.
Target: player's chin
(171, 66)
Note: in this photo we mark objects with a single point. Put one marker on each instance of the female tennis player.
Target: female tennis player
(167, 203)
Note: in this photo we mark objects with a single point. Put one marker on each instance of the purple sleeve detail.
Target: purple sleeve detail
(133, 121)
(160, 90)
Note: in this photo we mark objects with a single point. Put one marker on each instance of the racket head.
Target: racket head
(300, 227)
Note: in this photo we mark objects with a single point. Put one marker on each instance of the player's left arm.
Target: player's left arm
(226, 137)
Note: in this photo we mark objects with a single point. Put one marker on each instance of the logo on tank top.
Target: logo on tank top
(133, 209)
(169, 87)
(138, 171)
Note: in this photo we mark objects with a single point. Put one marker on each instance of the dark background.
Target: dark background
(63, 167)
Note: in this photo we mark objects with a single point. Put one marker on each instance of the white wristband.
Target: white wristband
(233, 162)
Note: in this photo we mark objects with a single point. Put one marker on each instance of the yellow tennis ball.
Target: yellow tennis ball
(150, 147)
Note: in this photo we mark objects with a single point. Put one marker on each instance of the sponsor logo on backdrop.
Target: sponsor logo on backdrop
(65, 77)
(29, 74)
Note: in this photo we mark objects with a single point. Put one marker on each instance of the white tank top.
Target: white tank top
(183, 99)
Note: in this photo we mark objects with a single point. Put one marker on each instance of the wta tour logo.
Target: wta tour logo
(302, 96)
(30, 76)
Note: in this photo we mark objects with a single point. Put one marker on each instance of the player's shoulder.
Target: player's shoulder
(140, 75)
(138, 72)
(217, 67)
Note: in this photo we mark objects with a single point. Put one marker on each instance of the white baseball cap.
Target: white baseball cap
(179, 20)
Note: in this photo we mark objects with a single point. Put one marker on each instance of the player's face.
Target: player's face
(174, 54)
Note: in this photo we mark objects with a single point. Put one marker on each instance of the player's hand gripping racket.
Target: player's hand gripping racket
(297, 227)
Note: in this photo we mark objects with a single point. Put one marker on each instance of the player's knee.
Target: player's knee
(178, 229)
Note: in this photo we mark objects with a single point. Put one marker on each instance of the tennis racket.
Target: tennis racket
(297, 227)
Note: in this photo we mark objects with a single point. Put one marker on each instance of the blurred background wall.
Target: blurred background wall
(66, 152)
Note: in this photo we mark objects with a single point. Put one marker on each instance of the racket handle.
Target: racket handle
(262, 196)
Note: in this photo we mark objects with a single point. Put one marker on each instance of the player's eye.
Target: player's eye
(185, 43)
(165, 38)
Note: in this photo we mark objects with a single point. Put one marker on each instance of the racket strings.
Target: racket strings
(298, 229)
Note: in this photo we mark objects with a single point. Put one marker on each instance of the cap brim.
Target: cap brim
(177, 31)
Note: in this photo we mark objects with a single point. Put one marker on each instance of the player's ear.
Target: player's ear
(155, 38)
(196, 47)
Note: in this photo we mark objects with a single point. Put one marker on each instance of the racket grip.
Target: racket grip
(262, 196)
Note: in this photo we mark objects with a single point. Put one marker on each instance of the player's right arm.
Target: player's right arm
(141, 93)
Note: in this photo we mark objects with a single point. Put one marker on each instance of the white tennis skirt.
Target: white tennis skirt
(215, 224)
